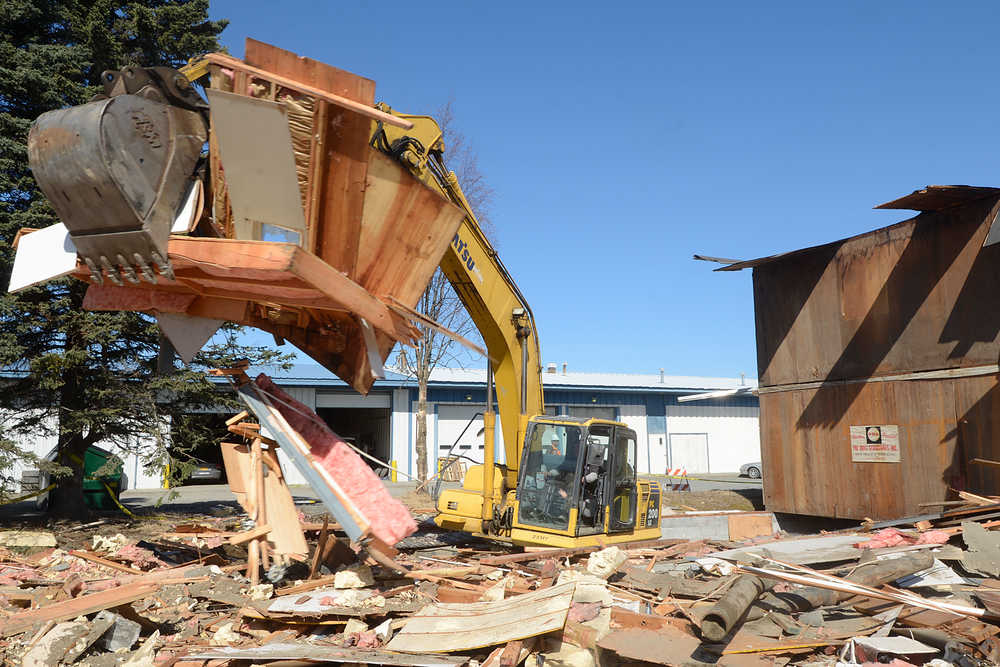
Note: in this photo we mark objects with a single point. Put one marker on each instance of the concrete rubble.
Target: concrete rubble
(439, 599)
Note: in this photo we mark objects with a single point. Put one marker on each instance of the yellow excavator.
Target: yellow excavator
(566, 481)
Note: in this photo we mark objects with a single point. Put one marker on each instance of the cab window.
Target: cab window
(548, 475)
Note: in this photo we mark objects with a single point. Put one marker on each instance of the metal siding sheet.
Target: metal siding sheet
(733, 432)
(305, 395)
(350, 400)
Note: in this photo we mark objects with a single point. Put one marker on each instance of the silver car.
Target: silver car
(751, 470)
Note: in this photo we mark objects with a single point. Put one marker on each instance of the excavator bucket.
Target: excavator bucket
(116, 171)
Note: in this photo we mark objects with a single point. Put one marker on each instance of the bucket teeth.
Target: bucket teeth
(163, 265)
(147, 272)
(111, 271)
(127, 269)
(95, 272)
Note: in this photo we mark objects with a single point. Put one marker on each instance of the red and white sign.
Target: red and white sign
(875, 444)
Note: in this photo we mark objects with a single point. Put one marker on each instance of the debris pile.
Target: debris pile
(185, 596)
(275, 587)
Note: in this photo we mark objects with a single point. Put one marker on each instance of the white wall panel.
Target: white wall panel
(400, 429)
(345, 400)
(733, 432)
(306, 395)
(635, 417)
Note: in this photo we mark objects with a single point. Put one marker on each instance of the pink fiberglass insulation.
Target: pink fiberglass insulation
(389, 519)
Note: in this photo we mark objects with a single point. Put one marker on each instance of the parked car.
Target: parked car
(752, 470)
(206, 472)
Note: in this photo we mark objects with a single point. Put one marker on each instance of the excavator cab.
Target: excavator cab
(579, 476)
(576, 485)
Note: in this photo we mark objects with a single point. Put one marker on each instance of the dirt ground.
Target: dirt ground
(707, 500)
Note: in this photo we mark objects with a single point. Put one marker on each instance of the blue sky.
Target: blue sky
(621, 138)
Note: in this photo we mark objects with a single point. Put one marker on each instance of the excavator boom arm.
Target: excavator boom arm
(487, 290)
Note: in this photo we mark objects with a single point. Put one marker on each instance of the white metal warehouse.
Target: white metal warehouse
(705, 436)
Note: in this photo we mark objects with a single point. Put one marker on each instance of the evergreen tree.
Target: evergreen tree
(86, 377)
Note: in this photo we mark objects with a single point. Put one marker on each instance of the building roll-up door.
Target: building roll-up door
(451, 420)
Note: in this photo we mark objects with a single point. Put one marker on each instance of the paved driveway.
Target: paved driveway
(729, 481)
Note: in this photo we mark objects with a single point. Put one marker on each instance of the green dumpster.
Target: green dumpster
(95, 493)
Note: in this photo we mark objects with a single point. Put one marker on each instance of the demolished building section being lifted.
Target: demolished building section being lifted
(878, 362)
(296, 225)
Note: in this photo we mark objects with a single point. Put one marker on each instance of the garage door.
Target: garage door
(451, 420)
(690, 451)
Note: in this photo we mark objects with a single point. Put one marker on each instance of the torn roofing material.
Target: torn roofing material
(931, 198)
(345, 483)
(940, 197)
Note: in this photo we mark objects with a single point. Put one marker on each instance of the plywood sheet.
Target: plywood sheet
(279, 507)
(460, 627)
(405, 218)
(745, 526)
(256, 152)
(806, 449)
(42, 255)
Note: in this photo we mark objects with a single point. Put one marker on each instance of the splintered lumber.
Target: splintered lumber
(81, 606)
(575, 551)
(302, 651)
(94, 558)
(320, 548)
(370, 112)
(819, 580)
(446, 627)
(252, 534)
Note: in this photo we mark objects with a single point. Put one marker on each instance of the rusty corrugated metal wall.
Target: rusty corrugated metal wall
(841, 331)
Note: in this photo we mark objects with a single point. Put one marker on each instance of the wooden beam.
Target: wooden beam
(252, 534)
(237, 418)
(320, 547)
(81, 606)
(241, 67)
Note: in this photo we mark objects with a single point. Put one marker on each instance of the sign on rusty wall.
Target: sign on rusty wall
(875, 444)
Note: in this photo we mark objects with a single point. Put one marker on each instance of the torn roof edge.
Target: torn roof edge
(929, 199)
(940, 197)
